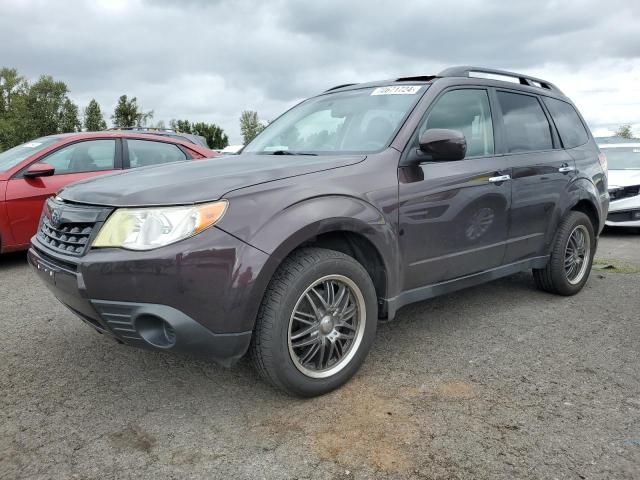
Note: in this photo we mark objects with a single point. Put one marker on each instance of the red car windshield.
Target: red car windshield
(15, 155)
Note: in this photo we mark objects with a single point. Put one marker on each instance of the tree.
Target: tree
(69, 121)
(45, 102)
(215, 136)
(13, 108)
(11, 85)
(250, 126)
(93, 119)
(183, 126)
(624, 131)
(34, 110)
(127, 114)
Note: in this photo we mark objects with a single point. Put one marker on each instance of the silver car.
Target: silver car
(624, 183)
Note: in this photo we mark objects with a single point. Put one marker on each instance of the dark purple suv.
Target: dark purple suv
(350, 205)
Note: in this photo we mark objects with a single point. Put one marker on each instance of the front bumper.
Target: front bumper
(624, 212)
(198, 296)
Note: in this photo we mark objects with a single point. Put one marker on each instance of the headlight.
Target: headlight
(149, 228)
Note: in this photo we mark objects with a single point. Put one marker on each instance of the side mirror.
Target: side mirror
(39, 170)
(443, 145)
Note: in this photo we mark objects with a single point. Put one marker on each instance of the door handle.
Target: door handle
(566, 169)
(499, 179)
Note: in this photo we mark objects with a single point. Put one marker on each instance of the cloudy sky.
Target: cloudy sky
(209, 60)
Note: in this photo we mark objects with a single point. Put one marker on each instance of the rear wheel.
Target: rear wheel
(571, 257)
(316, 323)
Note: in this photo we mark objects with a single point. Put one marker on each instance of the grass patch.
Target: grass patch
(613, 266)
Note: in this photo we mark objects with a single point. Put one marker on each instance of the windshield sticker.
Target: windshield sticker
(32, 145)
(397, 90)
(636, 150)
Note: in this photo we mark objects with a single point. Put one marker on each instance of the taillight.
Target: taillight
(602, 158)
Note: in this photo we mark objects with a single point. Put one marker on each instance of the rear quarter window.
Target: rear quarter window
(570, 127)
(143, 153)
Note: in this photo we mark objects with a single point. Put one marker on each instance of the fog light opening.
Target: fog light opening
(155, 331)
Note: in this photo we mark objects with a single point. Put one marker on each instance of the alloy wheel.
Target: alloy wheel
(326, 326)
(577, 254)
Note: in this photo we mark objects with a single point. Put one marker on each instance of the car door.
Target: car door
(540, 171)
(144, 153)
(453, 215)
(73, 162)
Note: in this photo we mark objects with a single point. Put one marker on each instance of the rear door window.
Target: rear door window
(570, 127)
(526, 128)
(143, 153)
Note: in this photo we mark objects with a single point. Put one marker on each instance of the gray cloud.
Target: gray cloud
(208, 60)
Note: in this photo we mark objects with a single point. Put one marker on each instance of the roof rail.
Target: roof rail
(145, 129)
(340, 86)
(467, 71)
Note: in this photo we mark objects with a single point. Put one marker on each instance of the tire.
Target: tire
(276, 352)
(554, 278)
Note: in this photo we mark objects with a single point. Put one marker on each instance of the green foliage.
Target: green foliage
(215, 136)
(13, 108)
(181, 126)
(250, 125)
(127, 114)
(624, 131)
(69, 122)
(93, 119)
(33, 110)
(45, 103)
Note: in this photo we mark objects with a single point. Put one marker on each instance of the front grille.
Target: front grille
(68, 238)
(624, 192)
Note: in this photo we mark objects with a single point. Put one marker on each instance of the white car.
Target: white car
(624, 183)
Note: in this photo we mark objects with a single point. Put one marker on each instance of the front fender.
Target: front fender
(292, 226)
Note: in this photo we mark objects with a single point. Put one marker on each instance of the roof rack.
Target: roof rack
(340, 86)
(467, 71)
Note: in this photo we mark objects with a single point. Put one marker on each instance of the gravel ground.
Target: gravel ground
(498, 381)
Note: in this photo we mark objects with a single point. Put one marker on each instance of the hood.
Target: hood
(196, 181)
(623, 178)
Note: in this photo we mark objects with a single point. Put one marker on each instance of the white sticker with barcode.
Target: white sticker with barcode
(397, 90)
(32, 144)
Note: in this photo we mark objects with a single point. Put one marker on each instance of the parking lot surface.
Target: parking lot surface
(498, 381)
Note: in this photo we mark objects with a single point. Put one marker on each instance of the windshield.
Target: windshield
(15, 155)
(623, 158)
(355, 121)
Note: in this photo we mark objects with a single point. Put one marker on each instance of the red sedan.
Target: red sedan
(36, 170)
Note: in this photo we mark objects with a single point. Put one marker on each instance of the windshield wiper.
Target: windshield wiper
(289, 152)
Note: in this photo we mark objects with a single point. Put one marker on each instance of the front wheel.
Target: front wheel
(571, 257)
(316, 323)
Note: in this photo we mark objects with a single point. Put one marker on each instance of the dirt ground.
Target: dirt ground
(498, 381)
